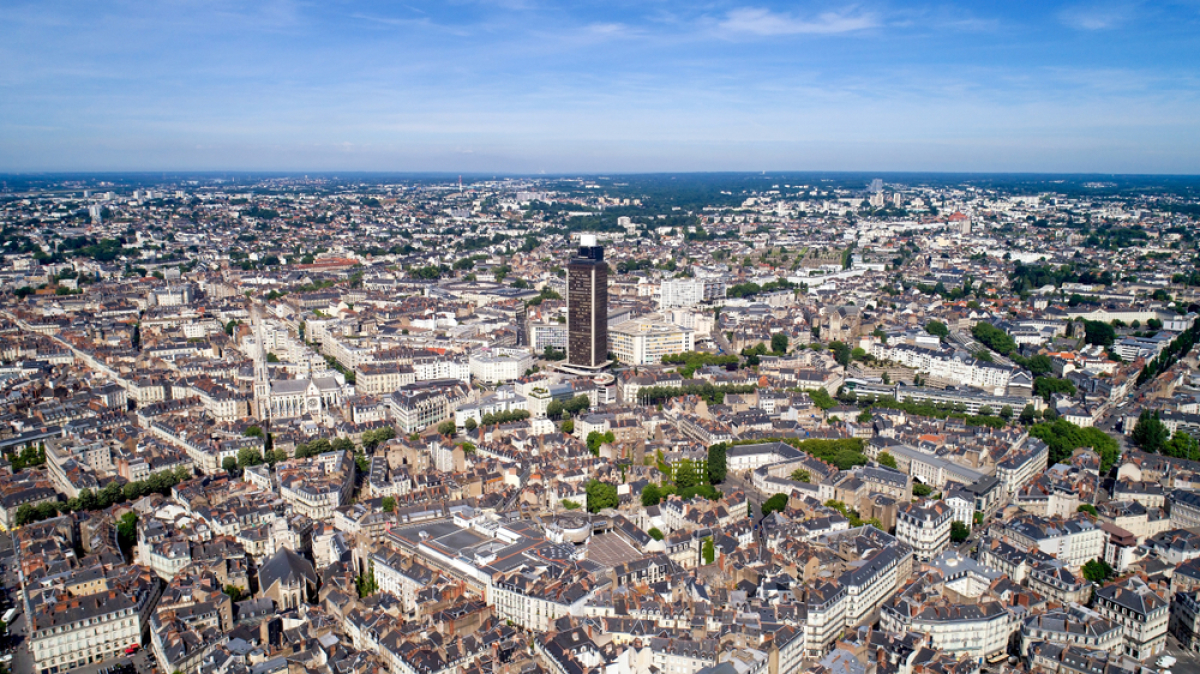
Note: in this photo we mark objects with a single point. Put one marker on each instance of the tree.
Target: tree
(234, 592)
(921, 489)
(709, 551)
(985, 410)
(447, 428)
(841, 353)
(656, 534)
(1040, 364)
(365, 583)
(959, 532)
(595, 439)
(1182, 446)
(601, 495)
(1097, 571)
(937, 329)
(570, 505)
(389, 504)
(822, 399)
(253, 432)
(568, 426)
(1088, 508)
(687, 474)
(1046, 387)
(1064, 437)
(1099, 333)
(1028, 415)
(801, 475)
(994, 338)
(1006, 412)
(777, 503)
(127, 529)
(470, 424)
(779, 342)
(717, 466)
(651, 495)
(248, 456)
(886, 459)
(1150, 433)
(342, 445)
(577, 404)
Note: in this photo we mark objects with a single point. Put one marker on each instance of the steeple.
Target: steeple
(262, 379)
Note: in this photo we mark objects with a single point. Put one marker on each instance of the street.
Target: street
(733, 481)
(140, 660)
(1188, 662)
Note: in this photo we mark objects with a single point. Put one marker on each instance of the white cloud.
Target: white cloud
(760, 21)
(1095, 16)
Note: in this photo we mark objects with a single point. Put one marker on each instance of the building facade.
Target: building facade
(587, 306)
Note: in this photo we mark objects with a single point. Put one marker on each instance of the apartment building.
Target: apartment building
(925, 527)
(1142, 610)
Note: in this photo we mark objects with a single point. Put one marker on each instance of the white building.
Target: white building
(500, 364)
(1143, 612)
(686, 292)
(925, 527)
(644, 341)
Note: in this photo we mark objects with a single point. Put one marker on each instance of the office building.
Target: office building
(587, 306)
(644, 341)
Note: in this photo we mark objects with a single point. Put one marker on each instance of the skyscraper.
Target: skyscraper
(587, 306)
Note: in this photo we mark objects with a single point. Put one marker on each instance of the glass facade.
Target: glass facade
(587, 308)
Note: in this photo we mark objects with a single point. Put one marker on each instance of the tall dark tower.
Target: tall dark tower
(587, 306)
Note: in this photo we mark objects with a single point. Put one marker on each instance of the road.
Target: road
(722, 344)
(1187, 660)
(755, 497)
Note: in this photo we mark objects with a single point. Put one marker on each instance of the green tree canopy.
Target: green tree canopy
(651, 495)
(777, 503)
(1046, 387)
(717, 466)
(601, 495)
(1099, 333)
(1097, 571)
(779, 342)
(1064, 437)
(1150, 433)
(937, 329)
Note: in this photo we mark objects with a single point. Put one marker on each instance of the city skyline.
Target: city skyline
(526, 87)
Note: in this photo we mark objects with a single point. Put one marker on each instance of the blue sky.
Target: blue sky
(654, 85)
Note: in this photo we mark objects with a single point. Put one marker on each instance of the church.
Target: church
(279, 399)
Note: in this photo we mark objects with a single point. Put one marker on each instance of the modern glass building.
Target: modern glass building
(587, 306)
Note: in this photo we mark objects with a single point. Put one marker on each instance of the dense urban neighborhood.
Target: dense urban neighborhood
(693, 424)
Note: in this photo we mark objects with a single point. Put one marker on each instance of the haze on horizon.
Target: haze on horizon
(524, 86)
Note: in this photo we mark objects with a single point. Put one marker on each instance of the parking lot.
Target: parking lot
(138, 663)
(611, 550)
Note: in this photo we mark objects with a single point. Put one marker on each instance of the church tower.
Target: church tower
(262, 380)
